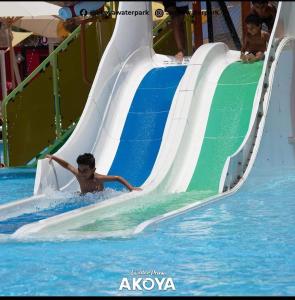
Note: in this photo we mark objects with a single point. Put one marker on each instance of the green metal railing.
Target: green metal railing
(51, 149)
(51, 59)
(162, 30)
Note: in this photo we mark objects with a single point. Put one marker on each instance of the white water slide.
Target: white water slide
(187, 134)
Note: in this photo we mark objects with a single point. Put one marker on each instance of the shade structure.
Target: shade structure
(42, 25)
(27, 9)
(12, 11)
(18, 37)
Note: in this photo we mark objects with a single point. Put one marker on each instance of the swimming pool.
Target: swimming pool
(242, 245)
(16, 183)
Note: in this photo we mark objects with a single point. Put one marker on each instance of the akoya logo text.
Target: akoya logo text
(147, 283)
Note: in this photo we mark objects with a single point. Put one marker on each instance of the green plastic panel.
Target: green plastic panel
(31, 115)
(165, 43)
(31, 119)
(73, 90)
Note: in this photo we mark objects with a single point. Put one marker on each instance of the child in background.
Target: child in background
(85, 173)
(266, 11)
(255, 41)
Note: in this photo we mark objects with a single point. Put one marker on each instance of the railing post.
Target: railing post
(55, 79)
(84, 55)
(2, 109)
(198, 26)
(246, 8)
(209, 21)
(3, 74)
(230, 24)
(11, 57)
(188, 33)
(4, 135)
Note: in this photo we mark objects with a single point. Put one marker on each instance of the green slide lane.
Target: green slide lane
(227, 126)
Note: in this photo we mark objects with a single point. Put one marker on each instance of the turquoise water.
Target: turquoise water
(242, 245)
(16, 184)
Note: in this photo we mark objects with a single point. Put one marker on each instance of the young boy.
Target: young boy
(266, 11)
(89, 180)
(255, 42)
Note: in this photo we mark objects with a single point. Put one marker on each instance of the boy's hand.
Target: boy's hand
(244, 58)
(49, 157)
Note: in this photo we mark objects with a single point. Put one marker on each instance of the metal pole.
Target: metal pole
(50, 46)
(198, 27)
(16, 69)
(11, 57)
(100, 43)
(246, 8)
(209, 21)
(3, 75)
(188, 35)
(58, 126)
(230, 24)
(2, 110)
(84, 55)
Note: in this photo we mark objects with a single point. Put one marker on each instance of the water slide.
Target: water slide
(220, 113)
(123, 120)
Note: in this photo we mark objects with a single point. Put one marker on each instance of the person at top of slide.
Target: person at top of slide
(255, 41)
(90, 181)
(177, 11)
(266, 11)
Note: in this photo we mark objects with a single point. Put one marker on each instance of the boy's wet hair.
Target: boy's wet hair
(86, 159)
(253, 19)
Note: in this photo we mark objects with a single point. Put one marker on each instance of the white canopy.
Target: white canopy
(11, 11)
(27, 9)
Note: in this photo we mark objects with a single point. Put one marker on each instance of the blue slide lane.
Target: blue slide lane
(142, 134)
(139, 144)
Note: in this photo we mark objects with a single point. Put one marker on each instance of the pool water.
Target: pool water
(16, 184)
(241, 245)
(59, 202)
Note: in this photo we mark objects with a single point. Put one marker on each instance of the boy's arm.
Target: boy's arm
(266, 36)
(244, 45)
(119, 179)
(63, 163)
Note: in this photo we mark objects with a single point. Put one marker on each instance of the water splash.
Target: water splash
(54, 203)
